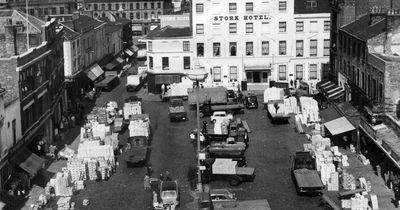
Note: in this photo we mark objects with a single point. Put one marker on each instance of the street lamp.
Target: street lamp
(198, 76)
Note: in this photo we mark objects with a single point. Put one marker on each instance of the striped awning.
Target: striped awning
(330, 90)
(95, 72)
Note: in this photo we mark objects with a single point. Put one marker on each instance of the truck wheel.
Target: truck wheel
(234, 181)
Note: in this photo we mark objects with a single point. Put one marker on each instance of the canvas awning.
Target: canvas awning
(130, 53)
(119, 60)
(110, 66)
(339, 125)
(28, 161)
(95, 72)
(134, 48)
(330, 90)
(167, 79)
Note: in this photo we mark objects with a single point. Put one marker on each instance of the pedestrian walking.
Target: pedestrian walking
(161, 177)
(167, 178)
(396, 189)
(204, 127)
(146, 182)
(149, 169)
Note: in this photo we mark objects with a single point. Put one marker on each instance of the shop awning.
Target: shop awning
(130, 53)
(95, 72)
(330, 90)
(338, 126)
(110, 66)
(167, 79)
(28, 161)
(134, 48)
(119, 60)
(257, 68)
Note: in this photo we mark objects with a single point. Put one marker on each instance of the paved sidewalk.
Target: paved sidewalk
(357, 169)
(71, 138)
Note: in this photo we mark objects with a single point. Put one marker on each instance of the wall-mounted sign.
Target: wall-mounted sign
(241, 17)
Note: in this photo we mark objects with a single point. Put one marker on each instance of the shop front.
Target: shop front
(156, 81)
(75, 87)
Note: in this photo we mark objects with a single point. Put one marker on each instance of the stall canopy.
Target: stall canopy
(28, 161)
(134, 48)
(95, 72)
(119, 60)
(330, 90)
(110, 66)
(338, 126)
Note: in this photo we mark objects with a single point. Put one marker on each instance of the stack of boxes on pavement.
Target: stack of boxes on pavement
(290, 105)
(64, 203)
(331, 162)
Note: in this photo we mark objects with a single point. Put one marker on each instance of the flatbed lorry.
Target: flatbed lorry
(137, 150)
(273, 102)
(305, 174)
(176, 110)
(227, 169)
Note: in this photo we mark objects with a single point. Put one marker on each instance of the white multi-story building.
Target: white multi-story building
(169, 52)
(255, 43)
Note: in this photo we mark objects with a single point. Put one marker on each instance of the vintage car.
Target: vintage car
(250, 101)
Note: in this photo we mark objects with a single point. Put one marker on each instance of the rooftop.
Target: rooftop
(113, 1)
(70, 34)
(311, 6)
(82, 23)
(169, 32)
(362, 28)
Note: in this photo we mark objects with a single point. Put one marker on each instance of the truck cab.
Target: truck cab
(176, 110)
(305, 174)
(221, 116)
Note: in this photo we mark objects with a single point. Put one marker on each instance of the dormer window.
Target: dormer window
(311, 3)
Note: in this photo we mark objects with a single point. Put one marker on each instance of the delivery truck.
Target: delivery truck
(176, 110)
(273, 102)
(134, 82)
(227, 169)
(222, 201)
(305, 174)
(108, 83)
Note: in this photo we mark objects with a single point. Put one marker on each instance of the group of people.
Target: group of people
(162, 177)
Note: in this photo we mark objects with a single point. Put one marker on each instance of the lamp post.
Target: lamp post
(197, 76)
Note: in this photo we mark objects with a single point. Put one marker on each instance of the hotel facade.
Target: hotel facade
(255, 44)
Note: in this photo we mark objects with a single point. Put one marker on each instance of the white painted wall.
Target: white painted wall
(13, 112)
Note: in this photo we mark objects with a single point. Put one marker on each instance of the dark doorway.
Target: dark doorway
(256, 77)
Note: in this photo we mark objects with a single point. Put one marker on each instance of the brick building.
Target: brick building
(34, 82)
(42, 8)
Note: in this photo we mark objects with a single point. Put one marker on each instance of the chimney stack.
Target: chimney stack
(10, 38)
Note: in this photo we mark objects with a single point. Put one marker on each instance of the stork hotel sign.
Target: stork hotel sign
(244, 17)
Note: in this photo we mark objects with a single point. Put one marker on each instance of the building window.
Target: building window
(216, 49)
(311, 3)
(199, 8)
(327, 25)
(313, 26)
(299, 26)
(165, 63)
(117, 7)
(199, 28)
(61, 10)
(145, 5)
(282, 26)
(282, 72)
(282, 47)
(138, 15)
(95, 7)
(137, 5)
(232, 48)
(186, 62)
(159, 4)
(217, 74)
(249, 28)
(282, 6)
(150, 46)
(200, 49)
(249, 6)
(299, 72)
(145, 16)
(109, 7)
(313, 71)
(131, 15)
(327, 44)
(233, 73)
(232, 7)
(53, 10)
(186, 46)
(313, 47)
(265, 48)
(123, 6)
(150, 62)
(299, 48)
(249, 48)
(131, 6)
(152, 5)
(232, 28)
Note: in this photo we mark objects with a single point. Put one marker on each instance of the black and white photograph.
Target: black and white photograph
(199, 104)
